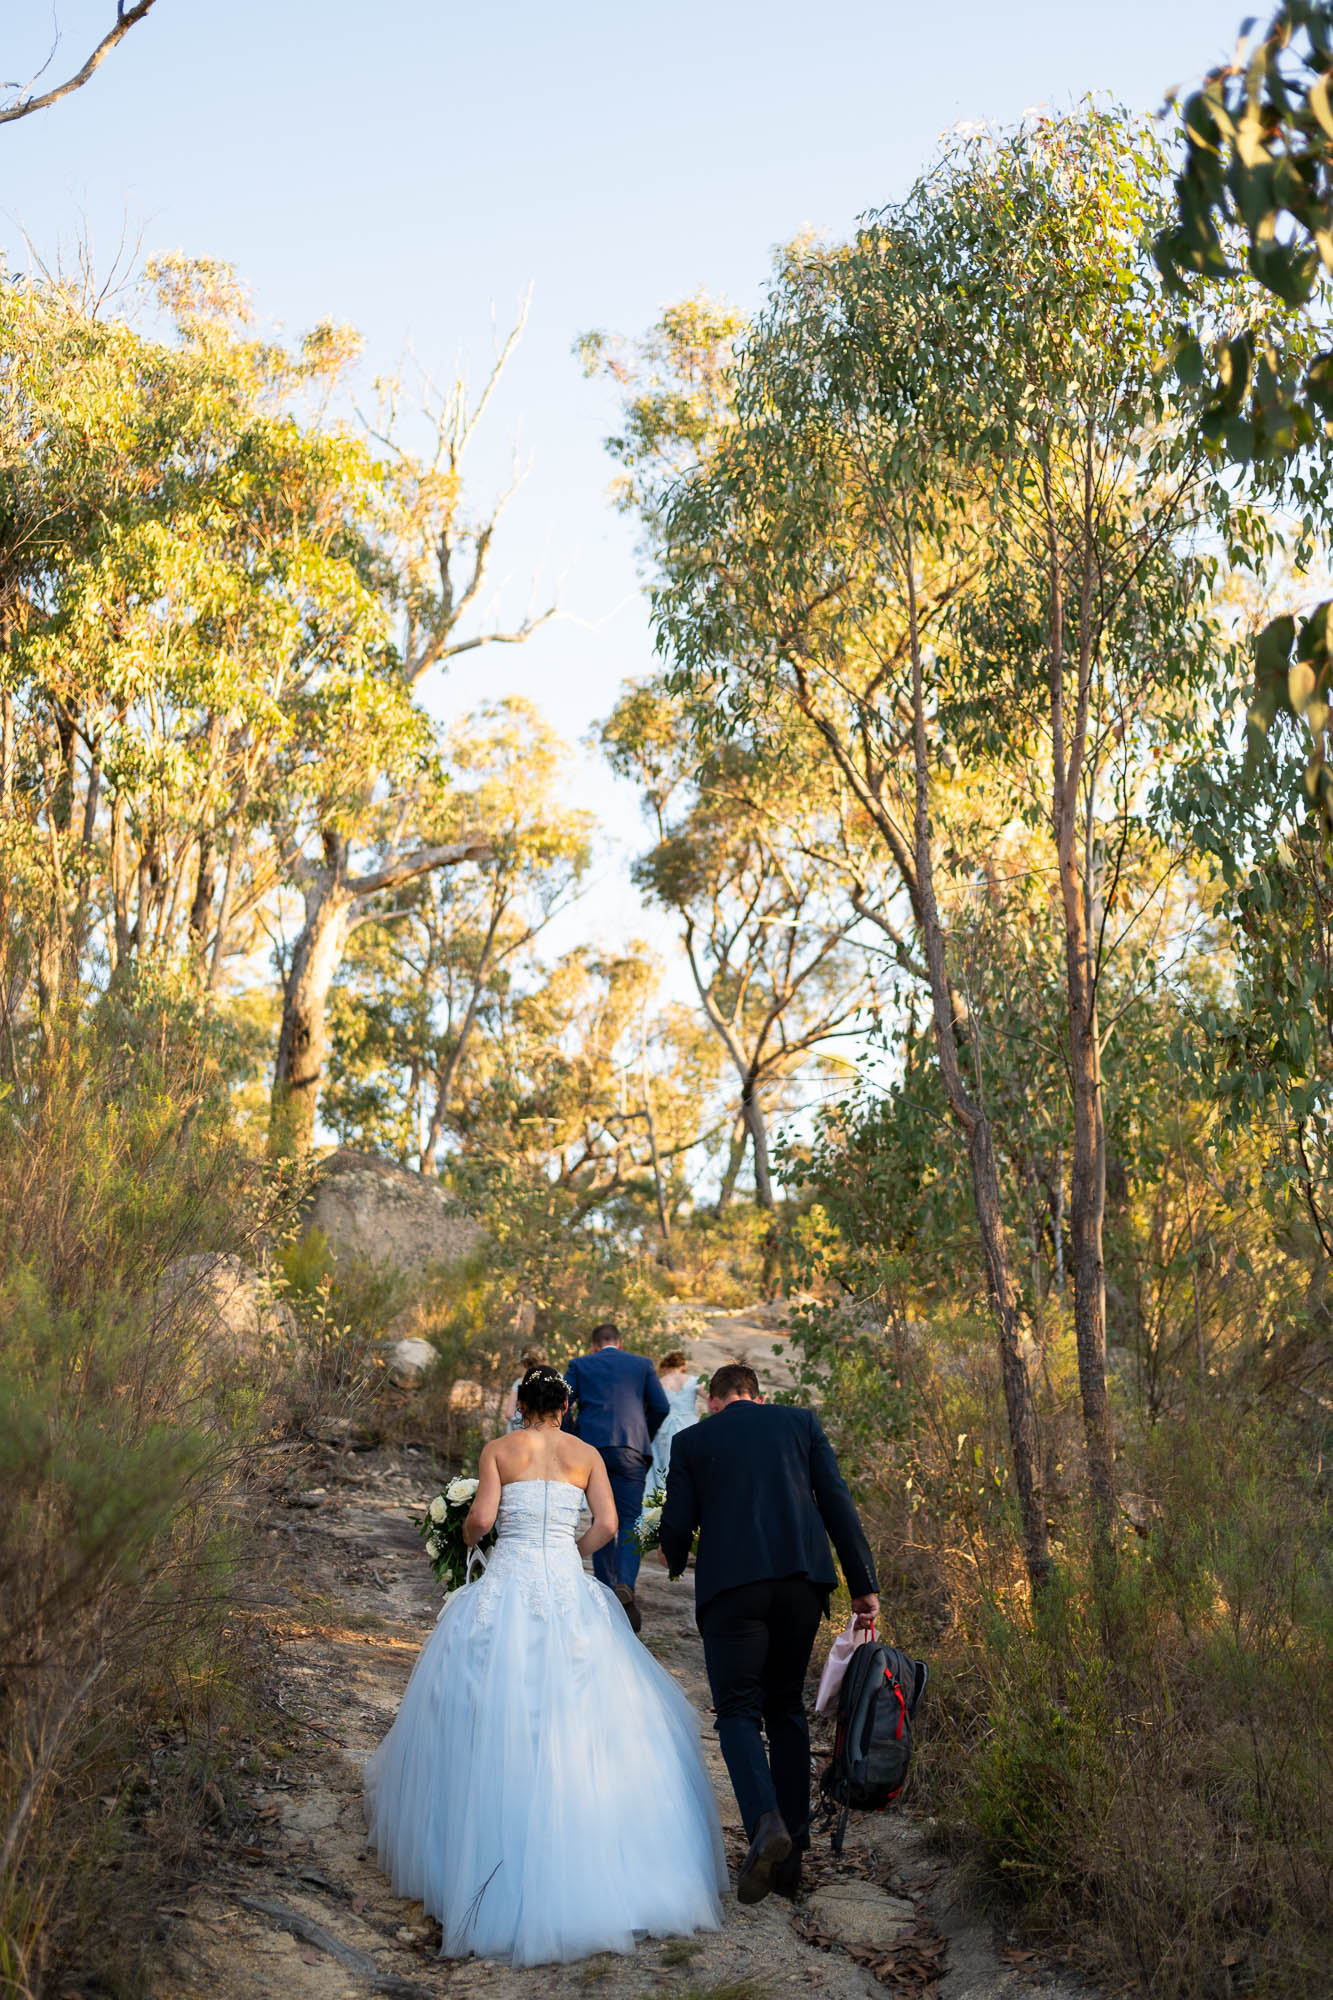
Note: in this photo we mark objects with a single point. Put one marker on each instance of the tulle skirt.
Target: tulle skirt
(542, 1790)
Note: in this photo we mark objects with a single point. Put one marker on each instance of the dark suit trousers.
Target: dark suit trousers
(627, 1471)
(757, 1642)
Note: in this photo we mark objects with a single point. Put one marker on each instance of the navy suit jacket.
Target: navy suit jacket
(760, 1484)
(615, 1400)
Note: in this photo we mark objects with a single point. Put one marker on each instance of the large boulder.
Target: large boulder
(216, 1302)
(369, 1207)
(409, 1361)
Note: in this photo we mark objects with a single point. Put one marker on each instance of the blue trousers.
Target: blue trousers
(627, 1470)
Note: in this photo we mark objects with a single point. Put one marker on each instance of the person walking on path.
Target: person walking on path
(682, 1394)
(510, 1414)
(617, 1405)
(760, 1486)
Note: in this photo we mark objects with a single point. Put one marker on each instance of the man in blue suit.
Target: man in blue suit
(617, 1404)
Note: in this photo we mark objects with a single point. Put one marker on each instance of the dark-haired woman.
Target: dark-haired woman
(536, 1732)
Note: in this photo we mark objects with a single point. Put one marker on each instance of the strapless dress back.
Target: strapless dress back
(682, 1411)
(537, 1744)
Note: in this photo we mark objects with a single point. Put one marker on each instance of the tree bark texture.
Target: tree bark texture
(331, 899)
(1072, 785)
(303, 1040)
(969, 1111)
(753, 1113)
(1087, 1192)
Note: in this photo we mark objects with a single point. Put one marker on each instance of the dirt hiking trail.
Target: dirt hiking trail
(293, 1907)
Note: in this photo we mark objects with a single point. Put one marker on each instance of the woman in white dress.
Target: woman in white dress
(682, 1390)
(537, 1737)
(510, 1414)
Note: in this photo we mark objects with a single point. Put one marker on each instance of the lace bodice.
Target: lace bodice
(539, 1512)
(536, 1526)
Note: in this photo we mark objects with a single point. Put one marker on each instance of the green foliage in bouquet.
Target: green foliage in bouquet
(441, 1528)
(648, 1528)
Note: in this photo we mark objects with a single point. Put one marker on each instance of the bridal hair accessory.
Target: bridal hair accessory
(542, 1392)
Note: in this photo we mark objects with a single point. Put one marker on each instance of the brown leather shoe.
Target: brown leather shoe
(768, 1850)
(626, 1597)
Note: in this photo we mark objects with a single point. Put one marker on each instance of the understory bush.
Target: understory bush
(125, 1446)
(721, 1260)
(1140, 1770)
(544, 1276)
(1148, 1768)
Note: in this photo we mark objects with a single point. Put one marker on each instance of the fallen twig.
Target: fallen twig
(312, 1933)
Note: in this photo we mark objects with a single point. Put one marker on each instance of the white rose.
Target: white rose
(461, 1492)
(437, 1509)
(651, 1518)
(432, 1547)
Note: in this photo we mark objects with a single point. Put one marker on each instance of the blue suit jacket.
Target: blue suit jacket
(615, 1400)
(760, 1483)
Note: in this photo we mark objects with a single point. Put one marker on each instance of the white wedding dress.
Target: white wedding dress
(682, 1411)
(542, 1790)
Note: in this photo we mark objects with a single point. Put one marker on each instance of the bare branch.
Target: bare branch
(406, 867)
(126, 18)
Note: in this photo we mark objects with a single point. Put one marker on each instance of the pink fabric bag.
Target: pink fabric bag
(835, 1666)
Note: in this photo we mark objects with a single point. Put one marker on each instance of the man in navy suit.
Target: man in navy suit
(617, 1404)
(761, 1487)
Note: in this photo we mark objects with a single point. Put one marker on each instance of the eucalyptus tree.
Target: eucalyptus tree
(950, 516)
(427, 968)
(1088, 636)
(147, 565)
(805, 568)
(585, 1079)
(770, 952)
(216, 605)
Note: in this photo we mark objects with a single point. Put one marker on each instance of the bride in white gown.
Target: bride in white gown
(538, 1742)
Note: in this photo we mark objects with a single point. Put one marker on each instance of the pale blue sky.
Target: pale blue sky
(408, 166)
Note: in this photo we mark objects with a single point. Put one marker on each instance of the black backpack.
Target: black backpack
(872, 1743)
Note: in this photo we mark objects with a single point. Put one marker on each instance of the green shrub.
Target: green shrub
(544, 1276)
(121, 1458)
(1148, 1771)
(340, 1311)
(722, 1260)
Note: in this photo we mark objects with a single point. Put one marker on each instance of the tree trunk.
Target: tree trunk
(1072, 790)
(735, 1160)
(1087, 1214)
(331, 896)
(201, 905)
(303, 1040)
(971, 1116)
(753, 1114)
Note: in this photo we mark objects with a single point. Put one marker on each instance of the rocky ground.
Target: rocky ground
(295, 1908)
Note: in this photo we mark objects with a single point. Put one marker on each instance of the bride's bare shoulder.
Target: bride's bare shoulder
(575, 1456)
(508, 1454)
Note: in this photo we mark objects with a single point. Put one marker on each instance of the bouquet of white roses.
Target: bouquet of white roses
(441, 1527)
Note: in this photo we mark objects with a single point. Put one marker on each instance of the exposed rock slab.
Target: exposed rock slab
(409, 1362)
(861, 1915)
(217, 1303)
(369, 1207)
